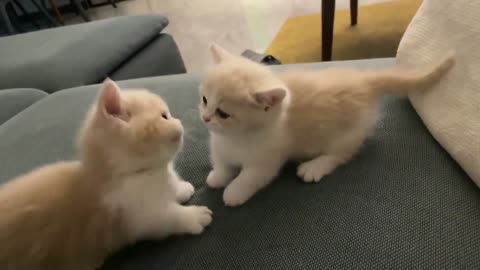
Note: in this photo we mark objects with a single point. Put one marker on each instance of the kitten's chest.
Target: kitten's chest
(240, 151)
(139, 193)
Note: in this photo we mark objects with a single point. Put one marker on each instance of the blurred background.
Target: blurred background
(290, 30)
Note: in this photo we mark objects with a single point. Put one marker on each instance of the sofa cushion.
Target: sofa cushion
(451, 110)
(160, 57)
(74, 55)
(401, 203)
(13, 101)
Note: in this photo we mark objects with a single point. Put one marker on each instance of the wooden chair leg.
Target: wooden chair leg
(353, 12)
(328, 17)
(57, 11)
(79, 9)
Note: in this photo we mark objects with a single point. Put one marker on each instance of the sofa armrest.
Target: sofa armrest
(159, 57)
(75, 55)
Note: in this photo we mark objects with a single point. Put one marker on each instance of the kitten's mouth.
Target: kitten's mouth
(177, 137)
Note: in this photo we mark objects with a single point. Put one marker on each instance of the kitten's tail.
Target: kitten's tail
(401, 82)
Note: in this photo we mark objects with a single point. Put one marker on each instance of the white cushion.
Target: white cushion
(451, 110)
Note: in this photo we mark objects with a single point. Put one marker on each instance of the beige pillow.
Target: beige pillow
(451, 110)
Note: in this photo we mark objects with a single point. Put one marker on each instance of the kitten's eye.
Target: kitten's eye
(222, 114)
(165, 116)
(204, 100)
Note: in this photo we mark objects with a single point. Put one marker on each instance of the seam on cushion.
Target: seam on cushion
(142, 44)
(24, 109)
(23, 88)
(135, 53)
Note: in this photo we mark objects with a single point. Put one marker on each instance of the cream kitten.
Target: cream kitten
(258, 120)
(71, 215)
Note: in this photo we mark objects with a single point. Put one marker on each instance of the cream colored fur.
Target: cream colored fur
(71, 215)
(320, 118)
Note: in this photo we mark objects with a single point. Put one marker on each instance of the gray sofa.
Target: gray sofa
(401, 203)
(122, 48)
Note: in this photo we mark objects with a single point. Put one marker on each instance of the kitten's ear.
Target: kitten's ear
(271, 97)
(109, 101)
(219, 54)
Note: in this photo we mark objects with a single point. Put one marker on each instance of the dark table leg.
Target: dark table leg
(80, 9)
(108, 2)
(54, 6)
(328, 17)
(353, 12)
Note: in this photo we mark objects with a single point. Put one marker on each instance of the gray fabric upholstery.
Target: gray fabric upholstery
(13, 101)
(361, 64)
(402, 203)
(74, 55)
(160, 57)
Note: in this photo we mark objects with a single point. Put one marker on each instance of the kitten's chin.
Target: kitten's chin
(177, 138)
(178, 146)
(214, 130)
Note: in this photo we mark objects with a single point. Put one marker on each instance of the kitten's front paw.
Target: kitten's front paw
(311, 172)
(200, 217)
(216, 180)
(185, 191)
(234, 195)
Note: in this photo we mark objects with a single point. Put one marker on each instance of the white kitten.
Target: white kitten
(72, 215)
(258, 120)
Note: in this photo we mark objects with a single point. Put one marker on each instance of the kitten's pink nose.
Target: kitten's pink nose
(206, 118)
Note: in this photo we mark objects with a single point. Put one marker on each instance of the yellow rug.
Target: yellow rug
(377, 34)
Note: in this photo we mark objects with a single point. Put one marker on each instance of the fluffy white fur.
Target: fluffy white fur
(71, 215)
(258, 120)
(152, 206)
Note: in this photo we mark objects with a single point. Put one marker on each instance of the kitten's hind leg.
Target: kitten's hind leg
(313, 170)
(338, 153)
